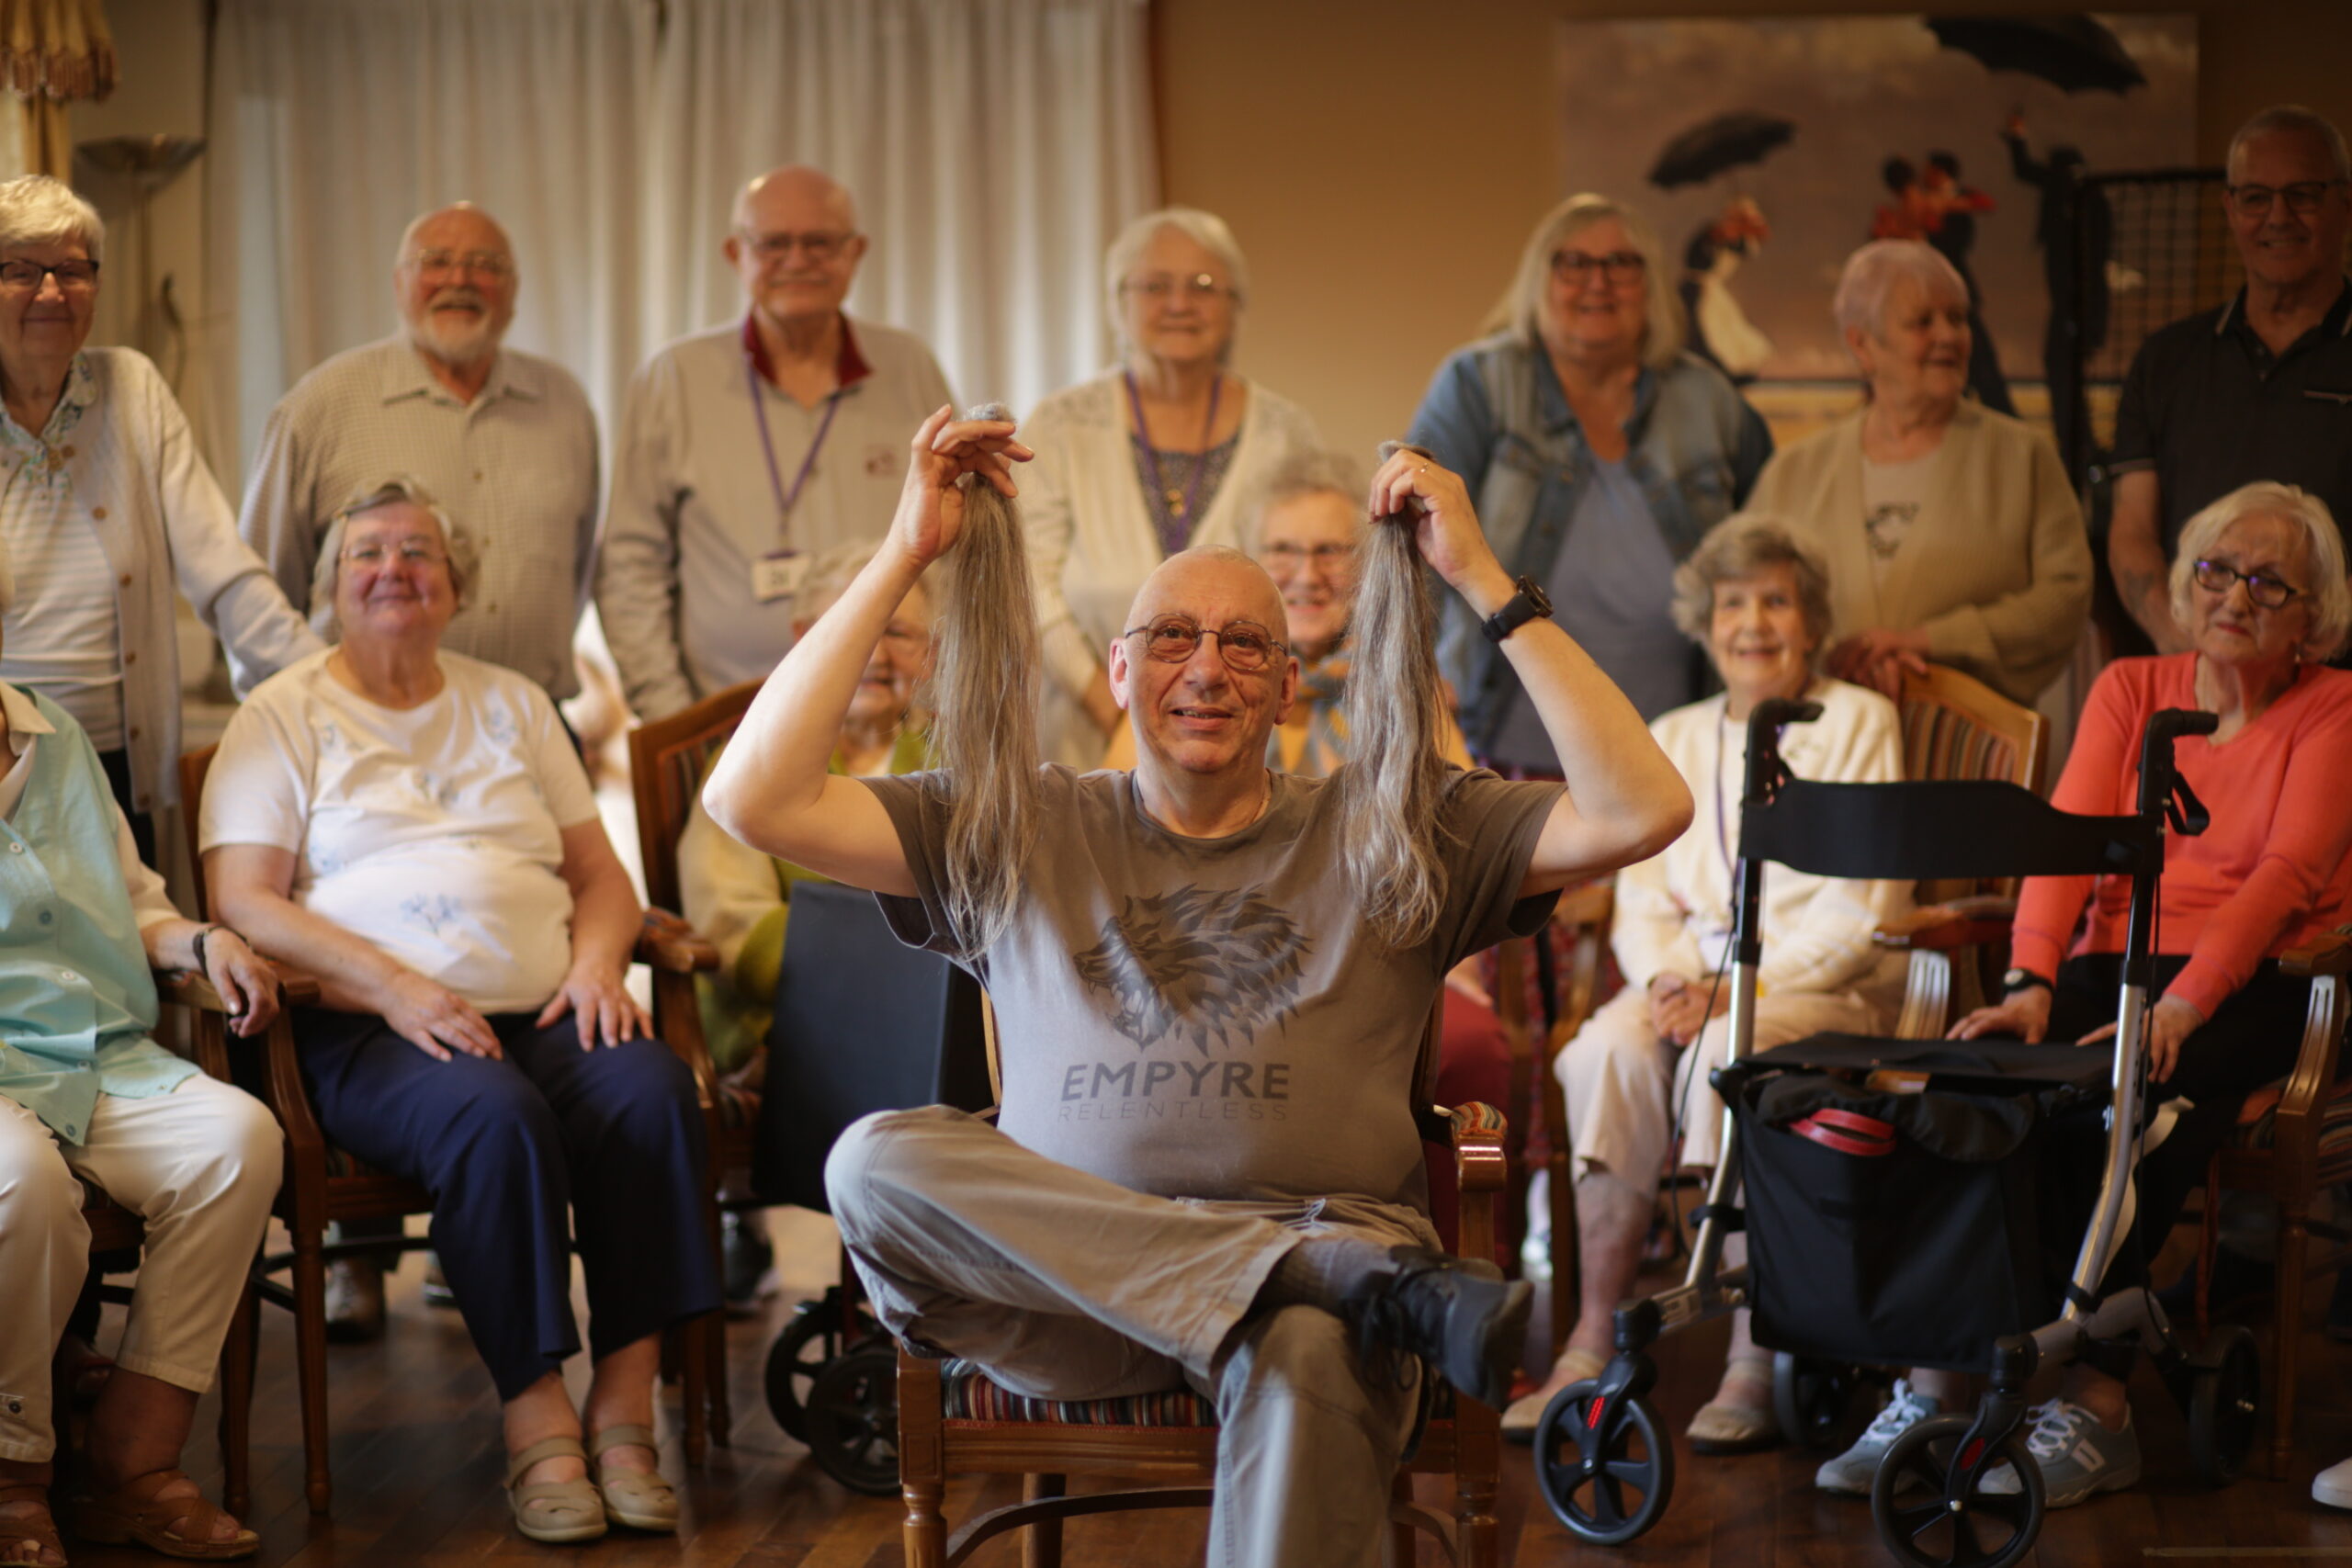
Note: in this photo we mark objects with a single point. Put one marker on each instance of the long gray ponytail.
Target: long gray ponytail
(1388, 790)
(984, 698)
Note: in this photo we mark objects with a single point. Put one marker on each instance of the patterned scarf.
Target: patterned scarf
(1323, 689)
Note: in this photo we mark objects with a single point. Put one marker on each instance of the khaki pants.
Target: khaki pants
(1068, 1287)
(200, 1166)
(1625, 1087)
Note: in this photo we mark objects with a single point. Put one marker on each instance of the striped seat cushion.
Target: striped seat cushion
(968, 1394)
(2259, 1121)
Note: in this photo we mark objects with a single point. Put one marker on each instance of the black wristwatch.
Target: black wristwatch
(2017, 980)
(1530, 603)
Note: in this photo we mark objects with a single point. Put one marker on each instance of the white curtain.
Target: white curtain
(993, 147)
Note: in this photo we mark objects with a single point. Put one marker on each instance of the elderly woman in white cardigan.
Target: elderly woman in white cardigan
(1156, 455)
(1950, 532)
(1754, 595)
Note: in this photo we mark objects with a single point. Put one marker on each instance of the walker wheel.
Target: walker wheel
(1815, 1400)
(1586, 1473)
(852, 1418)
(813, 1338)
(2224, 1405)
(1931, 1513)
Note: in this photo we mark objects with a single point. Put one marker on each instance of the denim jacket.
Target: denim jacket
(1496, 414)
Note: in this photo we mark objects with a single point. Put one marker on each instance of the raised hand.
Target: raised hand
(931, 503)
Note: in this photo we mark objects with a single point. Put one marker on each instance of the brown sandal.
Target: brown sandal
(177, 1527)
(14, 1532)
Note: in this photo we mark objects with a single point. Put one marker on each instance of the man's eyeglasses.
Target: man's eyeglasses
(2303, 198)
(1617, 266)
(1327, 556)
(449, 264)
(1158, 287)
(74, 276)
(1245, 646)
(410, 552)
(817, 246)
(2266, 592)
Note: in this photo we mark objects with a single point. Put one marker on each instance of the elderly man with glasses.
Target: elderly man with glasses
(749, 449)
(2260, 388)
(505, 437)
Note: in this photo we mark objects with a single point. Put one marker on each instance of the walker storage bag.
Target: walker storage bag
(1894, 1227)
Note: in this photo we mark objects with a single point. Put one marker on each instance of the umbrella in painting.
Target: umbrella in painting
(2073, 52)
(1726, 141)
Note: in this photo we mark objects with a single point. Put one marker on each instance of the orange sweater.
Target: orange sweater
(2269, 874)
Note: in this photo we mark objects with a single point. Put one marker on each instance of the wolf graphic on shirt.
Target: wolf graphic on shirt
(1197, 964)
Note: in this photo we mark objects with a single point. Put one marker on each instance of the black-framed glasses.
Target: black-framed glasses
(2303, 198)
(451, 264)
(818, 244)
(1245, 646)
(2268, 592)
(1199, 289)
(1618, 267)
(74, 276)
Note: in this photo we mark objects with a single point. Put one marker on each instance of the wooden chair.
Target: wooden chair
(952, 1420)
(324, 1184)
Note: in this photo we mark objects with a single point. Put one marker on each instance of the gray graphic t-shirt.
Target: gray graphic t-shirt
(1211, 1018)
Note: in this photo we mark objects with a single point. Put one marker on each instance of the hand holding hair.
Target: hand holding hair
(932, 503)
(1413, 491)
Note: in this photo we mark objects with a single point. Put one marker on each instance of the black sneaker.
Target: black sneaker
(1459, 1314)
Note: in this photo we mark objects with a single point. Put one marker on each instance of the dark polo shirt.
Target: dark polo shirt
(2210, 408)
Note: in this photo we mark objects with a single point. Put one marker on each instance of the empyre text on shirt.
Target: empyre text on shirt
(1176, 1090)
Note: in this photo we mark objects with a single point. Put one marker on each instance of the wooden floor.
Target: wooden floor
(417, 1466)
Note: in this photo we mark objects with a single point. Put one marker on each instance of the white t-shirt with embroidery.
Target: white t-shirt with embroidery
(436, 832)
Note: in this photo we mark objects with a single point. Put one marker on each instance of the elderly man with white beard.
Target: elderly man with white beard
(504, 439)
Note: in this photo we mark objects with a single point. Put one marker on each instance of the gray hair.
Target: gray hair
(1522, 308)
(1301, 474)
(1870, 276)
(2292, 118)
(1740, 547)
(984, 698)
(35, 208)
(1206, 230)
(465, 557)
(2331, 597)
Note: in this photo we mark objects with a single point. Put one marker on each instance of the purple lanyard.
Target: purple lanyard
(785, 499)
(1181, 509)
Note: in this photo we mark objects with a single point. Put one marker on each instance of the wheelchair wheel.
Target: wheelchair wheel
(851, 1418)
(1815, 1401)
(812, 1339)
(2224, 1405)
(1925, 1525)
(1586, 1474)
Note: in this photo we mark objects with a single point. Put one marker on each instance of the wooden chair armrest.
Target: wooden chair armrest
(1940, 927)
(1588, 903)
(2328, 954)
(1477, 1131)
(665, 943)
(188, 987)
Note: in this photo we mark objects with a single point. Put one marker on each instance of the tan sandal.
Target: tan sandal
(177, 1527)
(39, 1528)
(554, 1511)
(641, 1499)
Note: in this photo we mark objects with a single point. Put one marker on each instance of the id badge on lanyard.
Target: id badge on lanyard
(779, 573)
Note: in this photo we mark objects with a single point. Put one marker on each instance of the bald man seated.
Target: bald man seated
(749, 449)
(1205, 1172)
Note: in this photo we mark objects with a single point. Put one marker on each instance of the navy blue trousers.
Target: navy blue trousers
(519, 1156)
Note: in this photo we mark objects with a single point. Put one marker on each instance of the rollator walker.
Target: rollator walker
(1891, 1186)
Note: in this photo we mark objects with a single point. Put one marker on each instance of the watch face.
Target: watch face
(1537, 600)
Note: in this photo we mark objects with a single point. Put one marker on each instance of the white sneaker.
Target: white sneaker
(1853, 1470)
(2077, 1455)
(2333, 1485)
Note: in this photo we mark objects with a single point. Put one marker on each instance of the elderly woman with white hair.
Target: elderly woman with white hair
(1951, 533)
(108, 507)
(413, 828)
(1154, 456)
(1598, 453)
(2260, 585)
(1755, 596)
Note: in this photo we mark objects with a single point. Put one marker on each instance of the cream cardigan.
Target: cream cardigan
(1090, 538)
(1997, 569)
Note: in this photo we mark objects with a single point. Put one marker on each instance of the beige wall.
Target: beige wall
(1382, 160)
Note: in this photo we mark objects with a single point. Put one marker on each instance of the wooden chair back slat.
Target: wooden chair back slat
(666, 760)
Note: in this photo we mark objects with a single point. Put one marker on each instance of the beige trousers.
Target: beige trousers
(1627, 1088)
(200, 1166)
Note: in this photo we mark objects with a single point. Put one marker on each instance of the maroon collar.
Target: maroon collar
(849, 368)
